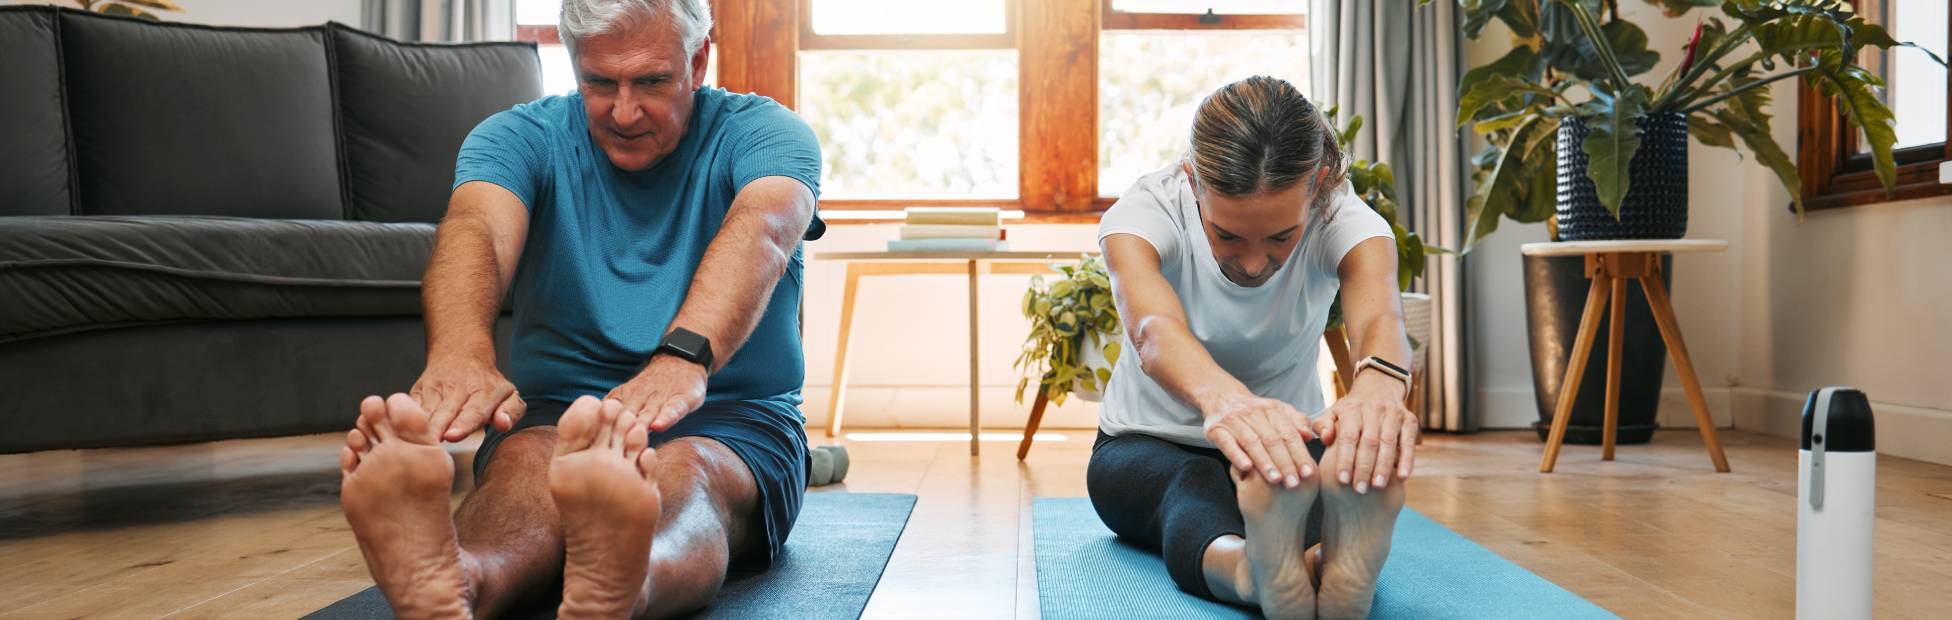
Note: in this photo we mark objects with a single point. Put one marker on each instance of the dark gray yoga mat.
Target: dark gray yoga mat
(833, 559)
(1083, 571)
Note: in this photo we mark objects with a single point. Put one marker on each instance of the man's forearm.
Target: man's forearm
(461, 293)
(743, 264)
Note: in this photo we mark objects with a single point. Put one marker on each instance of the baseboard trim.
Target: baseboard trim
(1904, 431)
(1508, 408)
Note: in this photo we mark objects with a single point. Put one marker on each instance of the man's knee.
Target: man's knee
(522, 454)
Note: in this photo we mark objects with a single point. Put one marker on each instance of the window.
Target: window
(1158, 58)
(1048, 106)
(911, 100)
(1836, 165)
(535, 20)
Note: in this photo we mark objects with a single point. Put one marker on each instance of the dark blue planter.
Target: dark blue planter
(1656, 204)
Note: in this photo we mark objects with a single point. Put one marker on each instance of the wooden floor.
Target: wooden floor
(251, 529)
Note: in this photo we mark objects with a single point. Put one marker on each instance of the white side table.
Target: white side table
(971, 264)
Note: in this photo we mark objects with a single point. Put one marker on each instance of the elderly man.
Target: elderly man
(657, 226)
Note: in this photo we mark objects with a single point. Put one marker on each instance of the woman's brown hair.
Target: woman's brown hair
(1261, 135)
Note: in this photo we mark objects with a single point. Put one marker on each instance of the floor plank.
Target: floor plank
(251, 529)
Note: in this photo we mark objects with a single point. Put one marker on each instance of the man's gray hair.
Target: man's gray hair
(582, 18)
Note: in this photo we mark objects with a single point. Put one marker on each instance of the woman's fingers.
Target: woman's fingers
(1280, 465)
(1366, 442)
(1348, 432)
(1293, 441)
(1407, 442)
(1388, 433)
(1230, 447)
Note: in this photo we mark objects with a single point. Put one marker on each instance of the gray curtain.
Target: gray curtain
(440, 20)
(1396, 64)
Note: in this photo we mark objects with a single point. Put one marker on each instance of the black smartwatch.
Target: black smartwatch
(687, 345)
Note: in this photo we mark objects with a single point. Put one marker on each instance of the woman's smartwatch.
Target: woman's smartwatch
(1383, 366)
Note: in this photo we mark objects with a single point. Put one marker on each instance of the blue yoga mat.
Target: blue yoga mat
(833, 559)
(1085, 572)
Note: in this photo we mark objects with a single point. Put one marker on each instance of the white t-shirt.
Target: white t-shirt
(1267, 336)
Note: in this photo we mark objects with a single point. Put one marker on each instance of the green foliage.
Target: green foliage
(1375, 183)
(1518, 101)
(1071, 313)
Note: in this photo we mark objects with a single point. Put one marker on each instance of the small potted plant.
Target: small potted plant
(1074, 333)
(1576, 142)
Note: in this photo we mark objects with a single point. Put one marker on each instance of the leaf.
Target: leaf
(1477, 13)
(1522, 17)
(1568, 48)
(1104, 377)
(164, 5)
(126, 11)
(1493, 89)
(1677, 8)
(1756, 137)
(1610, 144)
(1709, 132)
(1858, 101)
(1497, 194)
(1521, 62)
(1112, 350)
(1349, 134)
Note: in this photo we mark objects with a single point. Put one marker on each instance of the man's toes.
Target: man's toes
(636, 439)
(647, 461)
(577, 428)
(406, 420)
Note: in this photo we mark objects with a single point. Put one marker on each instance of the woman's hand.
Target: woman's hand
(1262, 435)
(1370, 434)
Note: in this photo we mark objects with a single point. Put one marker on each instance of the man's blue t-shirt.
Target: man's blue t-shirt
(610, 253)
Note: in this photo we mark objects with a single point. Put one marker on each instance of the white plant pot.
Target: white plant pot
(1093, 356)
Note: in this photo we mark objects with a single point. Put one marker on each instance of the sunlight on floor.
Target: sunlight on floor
(949, 436)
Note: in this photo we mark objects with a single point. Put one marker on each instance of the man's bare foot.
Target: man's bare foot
(601, 479)
(395, 495)
(1356, 534)
(1277, 520)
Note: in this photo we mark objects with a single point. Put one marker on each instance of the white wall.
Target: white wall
(261, 13)
(1708, 307)
(1856, 296)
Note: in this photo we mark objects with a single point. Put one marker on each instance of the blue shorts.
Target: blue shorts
(772, 445)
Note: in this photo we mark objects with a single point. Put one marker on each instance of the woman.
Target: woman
(1224, 266)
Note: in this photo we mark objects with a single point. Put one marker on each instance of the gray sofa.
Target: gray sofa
(211, 233)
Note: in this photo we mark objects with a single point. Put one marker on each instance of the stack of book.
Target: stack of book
(951, 229)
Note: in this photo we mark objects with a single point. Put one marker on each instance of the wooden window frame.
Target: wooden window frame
(1836, 176)
(758, 43)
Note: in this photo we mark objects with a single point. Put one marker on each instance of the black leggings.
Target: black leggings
(1172, 499)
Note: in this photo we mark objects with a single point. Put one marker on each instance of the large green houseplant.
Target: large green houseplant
(1580, 138)
(1576, 61)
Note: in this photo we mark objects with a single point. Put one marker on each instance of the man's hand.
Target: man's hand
(461, 393)
(1262, 435)
(667, 390)
(1369, 433)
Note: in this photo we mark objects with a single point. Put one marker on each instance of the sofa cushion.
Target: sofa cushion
(174, 119)
(63, 274)
(405, 108)
(34, 150)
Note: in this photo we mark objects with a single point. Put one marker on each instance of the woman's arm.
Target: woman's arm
(1369, 429)
(1256, 434)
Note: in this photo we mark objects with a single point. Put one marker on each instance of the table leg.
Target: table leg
(1615, 333)
(1582, 348)
(1036, 419)
(975, 385)
(1671, 331)
(839, 396)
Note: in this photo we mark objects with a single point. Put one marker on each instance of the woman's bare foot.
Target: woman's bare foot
(1277, 520)
(1356, 533)
(395, 495)
(601, 479)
